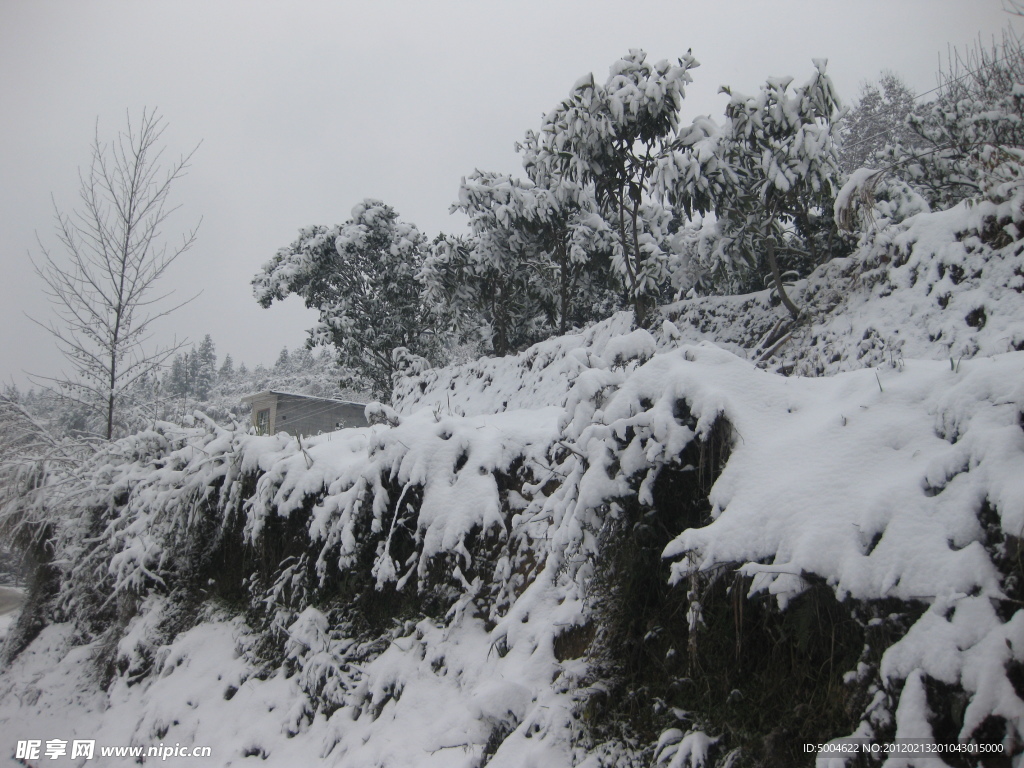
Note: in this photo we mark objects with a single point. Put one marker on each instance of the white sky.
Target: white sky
(305, 108)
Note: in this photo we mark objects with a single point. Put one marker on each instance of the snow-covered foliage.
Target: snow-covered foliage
(781, 147)
(612, 135)
(778, 170)
(958, 273)
(877, 119)
(461, 582)
(970, 140)
(538, 262)
(35, 462)
(362, 278)
(193, 373)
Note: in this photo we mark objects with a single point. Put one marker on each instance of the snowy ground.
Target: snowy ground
(910, 452)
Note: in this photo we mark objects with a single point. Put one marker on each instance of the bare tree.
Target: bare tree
(102, 289)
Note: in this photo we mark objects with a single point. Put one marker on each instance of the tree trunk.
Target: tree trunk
(777, 278)
(562, 324)
(642, 305)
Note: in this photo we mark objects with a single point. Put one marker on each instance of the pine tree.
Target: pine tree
(227, 369)
(177, 382)
(206, 368)
(281, 365)
(302, 360)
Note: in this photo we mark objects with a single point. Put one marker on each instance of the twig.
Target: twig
(778, 345)
(770, 337)
(309, 460)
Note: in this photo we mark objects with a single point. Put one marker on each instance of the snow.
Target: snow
(678, 750)
(872, 424)
(10, 599)
(891, 474)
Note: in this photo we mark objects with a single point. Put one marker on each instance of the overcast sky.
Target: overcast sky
(305, 108)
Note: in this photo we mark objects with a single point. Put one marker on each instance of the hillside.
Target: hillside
(704, 545)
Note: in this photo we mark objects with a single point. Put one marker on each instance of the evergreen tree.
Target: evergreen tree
(206, 368)
(177, 382)
(227, 368)
(362, 279)
(281, 364)
(192, 365)
(301, 360)
(614, 135)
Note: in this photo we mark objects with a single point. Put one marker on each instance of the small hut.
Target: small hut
(302, 415)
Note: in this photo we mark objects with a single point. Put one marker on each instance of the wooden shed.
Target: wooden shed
(302, 415)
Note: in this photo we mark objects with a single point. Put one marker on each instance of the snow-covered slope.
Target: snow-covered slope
(936, 286)
(615, 548)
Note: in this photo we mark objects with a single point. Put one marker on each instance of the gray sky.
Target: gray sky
(305, 108)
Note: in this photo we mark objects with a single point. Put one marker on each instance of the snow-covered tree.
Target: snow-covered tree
(177, 382)
(781, 154)
(878, 118)
(361, 277)
(193, 373)
(302, 359)
(613, 135)
(485, 295)
(205, 368)
(579, 247)
(227, 368)
(539, 260)
(969, 142)
(282, 360)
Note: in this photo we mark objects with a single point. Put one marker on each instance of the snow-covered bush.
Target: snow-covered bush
(969, 142)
